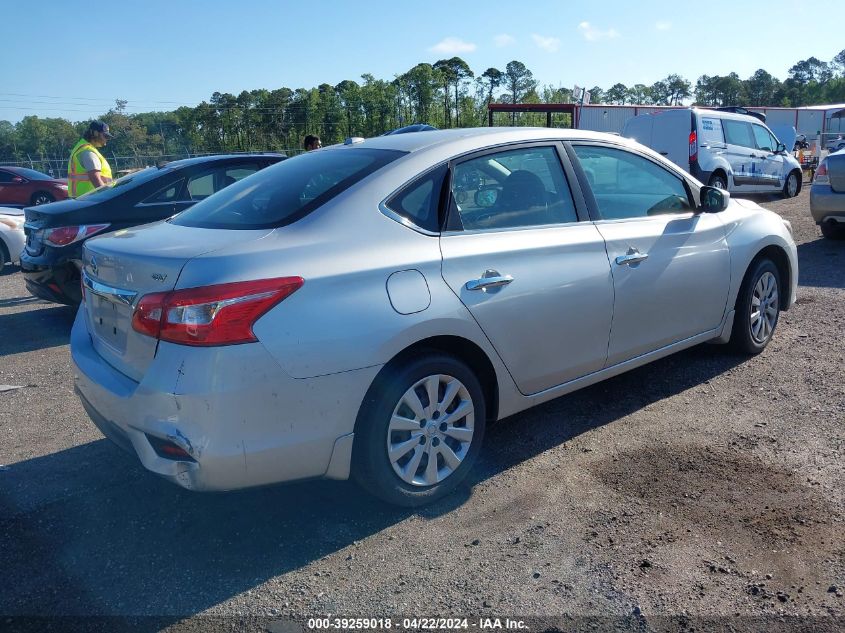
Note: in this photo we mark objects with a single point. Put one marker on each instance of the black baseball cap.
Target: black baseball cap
(99, 126)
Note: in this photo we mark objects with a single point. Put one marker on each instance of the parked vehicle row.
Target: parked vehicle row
(730, 151)
(367, 309)
(56, 233)
(11, 235)
(827, 196)
(20, 187)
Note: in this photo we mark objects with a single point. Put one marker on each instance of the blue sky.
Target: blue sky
(159, 55)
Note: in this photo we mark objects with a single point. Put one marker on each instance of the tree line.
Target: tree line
(447, 93)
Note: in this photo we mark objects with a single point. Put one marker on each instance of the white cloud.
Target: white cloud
(503, 40)
(548, 44)
(592, 34)
(452, 46)
(663, 26)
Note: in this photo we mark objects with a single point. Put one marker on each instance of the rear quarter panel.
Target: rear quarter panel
(342, 318)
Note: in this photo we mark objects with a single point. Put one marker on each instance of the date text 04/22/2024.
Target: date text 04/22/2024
(415, 624)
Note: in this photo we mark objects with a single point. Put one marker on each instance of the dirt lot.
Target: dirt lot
(703, 485)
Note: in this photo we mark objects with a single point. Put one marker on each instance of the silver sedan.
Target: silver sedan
(367, 309)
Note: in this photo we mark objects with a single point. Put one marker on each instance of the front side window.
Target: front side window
(738, 133)
(764, 138)
(512, 189)
(5, 176)
(286, 191)
(626, 185)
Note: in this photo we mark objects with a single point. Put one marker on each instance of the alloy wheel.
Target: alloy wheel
(431, 430)
(764, 308)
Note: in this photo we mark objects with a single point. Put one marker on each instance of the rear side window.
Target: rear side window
(287, 191)
(738, 133)
(170, 193)
(419, 201)
(516, 188)
(710, 131)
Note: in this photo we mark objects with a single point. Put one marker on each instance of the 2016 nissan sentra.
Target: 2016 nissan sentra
(367, 309)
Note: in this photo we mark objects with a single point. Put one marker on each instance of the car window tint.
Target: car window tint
(418, 202)
(239, 172)
(763, 138)
(201, 185)
(711, 131)
(168, 193)
(286, 191)
(517, 188)
(626, 185)
(738, 133)
(5, 176)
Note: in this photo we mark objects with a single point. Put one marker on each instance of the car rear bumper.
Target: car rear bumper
(826, 204)
(57, 282)
(243, 421)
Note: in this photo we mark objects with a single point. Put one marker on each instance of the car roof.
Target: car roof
(187, 162)
(415, 141)
(19, 170)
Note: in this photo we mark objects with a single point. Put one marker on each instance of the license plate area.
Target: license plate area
(110, 321)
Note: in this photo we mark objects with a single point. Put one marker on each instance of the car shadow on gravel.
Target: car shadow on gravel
(33, 329)
(565, 418)
(821, 263)
(88, 531)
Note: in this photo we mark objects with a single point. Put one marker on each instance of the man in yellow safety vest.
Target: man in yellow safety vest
(88, 168)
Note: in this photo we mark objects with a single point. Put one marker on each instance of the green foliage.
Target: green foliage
(445, 94)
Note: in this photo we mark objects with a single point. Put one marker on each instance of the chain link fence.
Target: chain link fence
(56, 166)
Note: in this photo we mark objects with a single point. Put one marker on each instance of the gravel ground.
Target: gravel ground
(702, 485)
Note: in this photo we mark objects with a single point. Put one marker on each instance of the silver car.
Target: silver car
(367, 309)
(827, 196)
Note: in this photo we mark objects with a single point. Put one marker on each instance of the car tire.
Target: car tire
(5, 258)
(792, 185)
(395, 439)
(757, 308)
(832, 231)
(41, 197)
(718, 181)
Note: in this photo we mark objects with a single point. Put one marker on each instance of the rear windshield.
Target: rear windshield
(122, 185)
(287, 191)
(32, 174)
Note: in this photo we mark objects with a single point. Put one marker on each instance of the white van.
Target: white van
(736, 152)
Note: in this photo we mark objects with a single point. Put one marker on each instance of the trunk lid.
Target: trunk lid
(121, 267)
(836, 171)
(47, 216)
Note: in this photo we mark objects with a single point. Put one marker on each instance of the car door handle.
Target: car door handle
(752, 155)
(631, 258)
(490, 279)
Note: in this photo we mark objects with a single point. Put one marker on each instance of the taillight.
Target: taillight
(64, 235)
(222, 314)
(693, 147)
(821, 176)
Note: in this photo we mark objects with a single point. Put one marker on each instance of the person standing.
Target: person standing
(88, 168)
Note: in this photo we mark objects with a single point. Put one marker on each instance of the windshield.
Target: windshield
(32, 174)
(122, 184)
(287, 191)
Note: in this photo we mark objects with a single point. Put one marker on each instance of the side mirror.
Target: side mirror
(18, 179)
(781, 148)
(714, 200)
